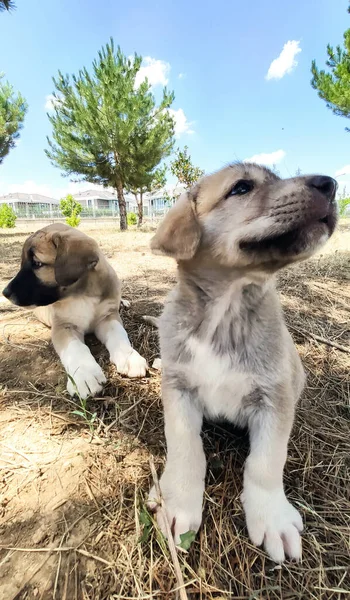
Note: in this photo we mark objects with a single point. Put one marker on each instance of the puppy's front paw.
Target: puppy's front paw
(183, 509)
(86, 380)
(130, 363)
(273, 522)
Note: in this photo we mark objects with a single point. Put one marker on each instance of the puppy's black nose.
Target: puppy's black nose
(6, 292)
(326, 185)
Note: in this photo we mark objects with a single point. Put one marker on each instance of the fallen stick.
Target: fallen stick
(171, 543)
(318, 338)
(61, 549)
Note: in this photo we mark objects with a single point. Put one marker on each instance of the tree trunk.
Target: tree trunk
(140, 209)
(122, 207)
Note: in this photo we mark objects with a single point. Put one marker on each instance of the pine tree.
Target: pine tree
(143, 181)
(13, 109)
(334, 86)
(7, 5)
(103, 123)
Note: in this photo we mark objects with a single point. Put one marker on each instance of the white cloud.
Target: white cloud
(29, 187)
(156, 71)
(181, 76)
(181, 124)
(267, 159)
(50, 102)
(286, 61)
(343, 171)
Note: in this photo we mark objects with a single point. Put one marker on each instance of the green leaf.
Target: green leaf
(187, 539)
(79, 413)
(144, 517)
(146, 521)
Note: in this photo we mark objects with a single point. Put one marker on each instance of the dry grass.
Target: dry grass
(70, 506)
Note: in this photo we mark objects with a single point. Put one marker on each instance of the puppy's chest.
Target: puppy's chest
(220, 380)
(82, 311)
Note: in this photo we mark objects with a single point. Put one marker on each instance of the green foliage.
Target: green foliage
(334, 86)
(132, 218)
(71, 209)
(146, 521)
(343, 204)
(82, 410)
(7, 5)
(13, 109)
(7, 217)
(141, 181)
(187, 539)
(106, 128)
(73, 220)
(182, 167)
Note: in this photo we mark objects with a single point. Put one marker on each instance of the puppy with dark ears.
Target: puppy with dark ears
(225, 349)
(180, 233)
(76, 291)
(74, 257)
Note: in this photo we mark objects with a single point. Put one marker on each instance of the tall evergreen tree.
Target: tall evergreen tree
(7, 5)
(103, 123)
(334, 86)
(144, 181)
(13, 108)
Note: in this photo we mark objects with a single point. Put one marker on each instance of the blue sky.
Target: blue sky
(215, 56)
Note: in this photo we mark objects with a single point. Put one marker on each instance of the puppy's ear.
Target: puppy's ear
(75, 256)
(179, 233)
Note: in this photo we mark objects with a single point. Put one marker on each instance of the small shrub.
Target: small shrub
(73, 220)
(343, 204)
(71, 209)
(7, 217)
(131, 218)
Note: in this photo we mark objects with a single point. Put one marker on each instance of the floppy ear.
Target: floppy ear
(179, 233)
(75, 256)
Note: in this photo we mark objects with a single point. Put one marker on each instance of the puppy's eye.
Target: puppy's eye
(37, 264)
(240, 188)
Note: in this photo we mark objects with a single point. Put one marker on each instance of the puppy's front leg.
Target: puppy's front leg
(112, 334)
(182, 483)
(78, 361)
(271, 519)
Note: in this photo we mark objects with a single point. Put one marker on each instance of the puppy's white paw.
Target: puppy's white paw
(273, 522)
(88, 379)
(183, 508)
(130, 363)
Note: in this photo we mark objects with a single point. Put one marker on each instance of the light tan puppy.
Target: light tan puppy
(65, 274)
(225, 349)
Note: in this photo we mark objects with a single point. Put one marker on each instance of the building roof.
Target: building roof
(27, 199)
(101, 194)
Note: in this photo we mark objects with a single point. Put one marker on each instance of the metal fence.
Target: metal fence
(33, 212)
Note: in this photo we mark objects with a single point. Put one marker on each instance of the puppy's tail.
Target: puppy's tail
(151, 320)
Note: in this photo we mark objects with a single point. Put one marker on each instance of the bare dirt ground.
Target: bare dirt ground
(72, 493)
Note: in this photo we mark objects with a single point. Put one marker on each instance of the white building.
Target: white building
(99, 202)
(31, 205)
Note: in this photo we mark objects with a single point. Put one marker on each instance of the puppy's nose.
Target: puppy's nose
(6, 292)
(326, 185)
